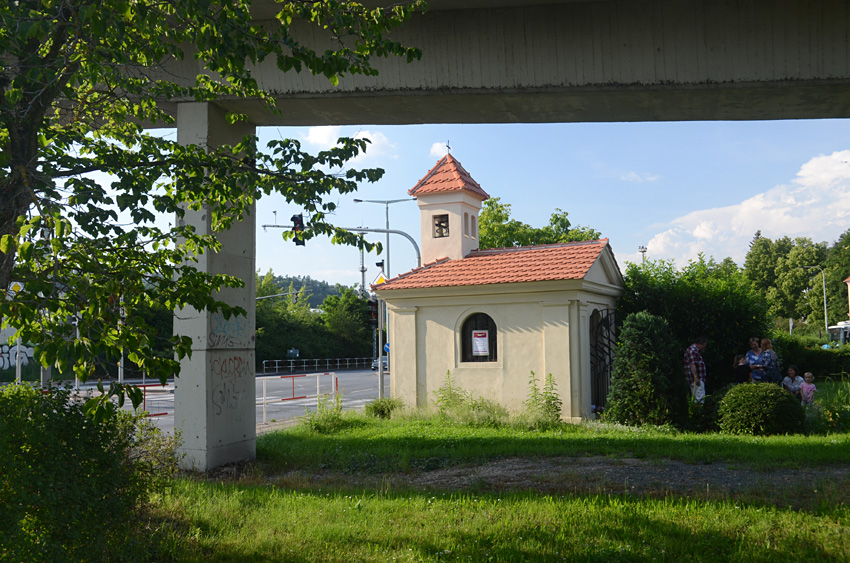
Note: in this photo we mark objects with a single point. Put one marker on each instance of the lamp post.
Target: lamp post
(386, 203)
(825, 312)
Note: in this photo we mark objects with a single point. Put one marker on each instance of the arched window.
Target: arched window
(466, 224)
(474, 226)
(478, 339)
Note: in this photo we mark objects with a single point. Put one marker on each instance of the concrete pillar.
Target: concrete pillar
(215, 400)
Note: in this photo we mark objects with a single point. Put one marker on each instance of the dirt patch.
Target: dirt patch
(624, 475)
(582, 475)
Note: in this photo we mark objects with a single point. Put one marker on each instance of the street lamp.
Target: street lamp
(825, 312)
(386, 203)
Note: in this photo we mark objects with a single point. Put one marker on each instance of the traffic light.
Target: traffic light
(373, 313)
(297, 229)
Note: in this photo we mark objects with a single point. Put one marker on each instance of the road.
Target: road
(286, 398)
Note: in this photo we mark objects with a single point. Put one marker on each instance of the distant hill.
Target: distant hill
(318, 289)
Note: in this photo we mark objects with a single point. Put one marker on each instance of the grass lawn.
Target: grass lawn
(275, 509)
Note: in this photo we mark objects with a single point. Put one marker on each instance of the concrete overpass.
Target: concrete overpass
(506, 61)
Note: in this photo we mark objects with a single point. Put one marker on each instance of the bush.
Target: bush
(831, 411)
(383, 408)
(456, 405)
(647, 383)
(328, 417)
(760, 409)
(543, 406)
(809, 356)
(705, 416)
(704, 298)
(72, 489)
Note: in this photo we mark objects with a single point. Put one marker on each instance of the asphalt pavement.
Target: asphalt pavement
(280, 399)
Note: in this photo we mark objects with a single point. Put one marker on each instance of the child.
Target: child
(807, 389)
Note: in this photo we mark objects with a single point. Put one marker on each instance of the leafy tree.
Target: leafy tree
(788, 296)
(703, 299)
(346, 317)
(340, 329)
(496, 229)
(837, 269)
(78, 79)
(286, 322)
(760, 263)
(647, 384)
(783, 271)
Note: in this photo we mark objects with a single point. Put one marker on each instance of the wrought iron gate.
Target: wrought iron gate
(602, 341)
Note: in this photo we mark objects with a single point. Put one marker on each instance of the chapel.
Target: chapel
(492, 318)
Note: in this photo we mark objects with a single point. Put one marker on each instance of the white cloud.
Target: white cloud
(379, 144)
(325, 137)
(439, 150)
(640, 178)
(815, 204)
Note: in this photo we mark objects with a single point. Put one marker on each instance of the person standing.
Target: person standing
(754, 360)
(770, 363)
(694, 367)
(807, 389)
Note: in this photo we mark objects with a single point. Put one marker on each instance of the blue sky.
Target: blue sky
(679, 188)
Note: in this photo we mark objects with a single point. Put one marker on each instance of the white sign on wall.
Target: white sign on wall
(480, 343)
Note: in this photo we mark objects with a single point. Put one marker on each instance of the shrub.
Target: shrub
(704, 298)
(543, 406)
(647, 383)
(831, 411)
(808, 354)
(383, 408)
(760, 409)
(705, 416)
(72, 489)
(328, 417)
(458, 406)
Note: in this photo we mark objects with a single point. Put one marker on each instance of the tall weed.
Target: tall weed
(542, 408)
(383, 408)
(328, 416)
(831, 411)
(457, 405)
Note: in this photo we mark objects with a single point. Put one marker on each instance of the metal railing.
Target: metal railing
(271, 367)
(334, 389)
(154, 406)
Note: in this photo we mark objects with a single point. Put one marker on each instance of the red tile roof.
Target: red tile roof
(447, 176)
(563, 261)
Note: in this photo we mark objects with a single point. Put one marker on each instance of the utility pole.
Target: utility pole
(362, 274)
(386, 203)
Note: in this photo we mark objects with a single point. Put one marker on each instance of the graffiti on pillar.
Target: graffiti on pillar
(229, 382)
(228, 333)
(8, 356)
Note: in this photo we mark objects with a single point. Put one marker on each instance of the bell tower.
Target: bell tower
(449, 202)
